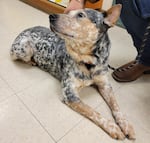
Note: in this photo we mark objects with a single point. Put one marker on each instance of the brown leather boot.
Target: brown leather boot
(130, 71)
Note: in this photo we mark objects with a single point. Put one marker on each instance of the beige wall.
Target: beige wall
(107, 4)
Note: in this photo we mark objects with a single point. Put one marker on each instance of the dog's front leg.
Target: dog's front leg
(106, 91)
(71, 98)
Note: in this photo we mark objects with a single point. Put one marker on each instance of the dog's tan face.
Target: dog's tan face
(75, 26)
(82, 28)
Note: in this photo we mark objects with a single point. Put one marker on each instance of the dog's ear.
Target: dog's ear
(112, 15)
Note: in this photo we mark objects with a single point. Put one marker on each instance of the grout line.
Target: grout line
(9, 96)
(19, 91)
(82, 118)
(15, 94)
(116, 90)
(35, 118)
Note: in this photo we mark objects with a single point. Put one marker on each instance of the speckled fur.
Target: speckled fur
(76, 52)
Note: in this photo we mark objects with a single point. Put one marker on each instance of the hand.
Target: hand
(74, 4)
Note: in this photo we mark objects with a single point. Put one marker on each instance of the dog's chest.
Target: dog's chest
(82, 77)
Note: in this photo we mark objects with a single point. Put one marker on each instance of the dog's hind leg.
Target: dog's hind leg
(22, 49)
(71, 98)
(106, 91)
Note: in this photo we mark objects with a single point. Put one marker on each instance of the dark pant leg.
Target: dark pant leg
(135, 26)
(145, 55)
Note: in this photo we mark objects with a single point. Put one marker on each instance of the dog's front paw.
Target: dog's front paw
(112, 129)
(125, 126)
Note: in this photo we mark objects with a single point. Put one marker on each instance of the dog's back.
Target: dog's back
(43, 46)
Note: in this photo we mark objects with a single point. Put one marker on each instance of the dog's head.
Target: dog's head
(83, 27)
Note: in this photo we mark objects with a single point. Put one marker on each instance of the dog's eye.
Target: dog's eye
(94, 21)
(81, 15)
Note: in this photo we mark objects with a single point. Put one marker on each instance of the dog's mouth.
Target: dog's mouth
(55, 30)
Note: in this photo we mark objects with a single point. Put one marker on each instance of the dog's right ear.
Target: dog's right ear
(112, 15)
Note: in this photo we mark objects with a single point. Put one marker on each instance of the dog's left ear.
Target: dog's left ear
(112, 15)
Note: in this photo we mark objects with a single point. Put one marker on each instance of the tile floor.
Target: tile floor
(30, 109)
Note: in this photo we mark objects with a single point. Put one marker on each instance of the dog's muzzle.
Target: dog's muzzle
(53, 18)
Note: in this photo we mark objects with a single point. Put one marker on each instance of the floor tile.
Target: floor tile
(18, 126)
(135, 106)
(134, 100)
(122, 50)
(5, 90)
(91, 96)
(87, 132)
(19, 75)
(142, 136)
(6, 41)
(43, 100)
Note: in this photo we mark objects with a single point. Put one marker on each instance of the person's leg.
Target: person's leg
(145, 48)
(132, 22)
(136, 27)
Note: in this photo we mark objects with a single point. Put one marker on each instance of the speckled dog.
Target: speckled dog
(76, 51)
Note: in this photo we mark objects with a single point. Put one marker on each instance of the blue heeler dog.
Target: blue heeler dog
(75, 50)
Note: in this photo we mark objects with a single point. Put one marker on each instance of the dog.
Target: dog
(75, 50)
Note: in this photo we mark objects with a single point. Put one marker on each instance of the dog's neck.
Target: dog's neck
(102, 48)
(89, 52)
(81, 52)
(81, 47)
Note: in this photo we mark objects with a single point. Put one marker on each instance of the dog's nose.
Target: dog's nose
(53, 17)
